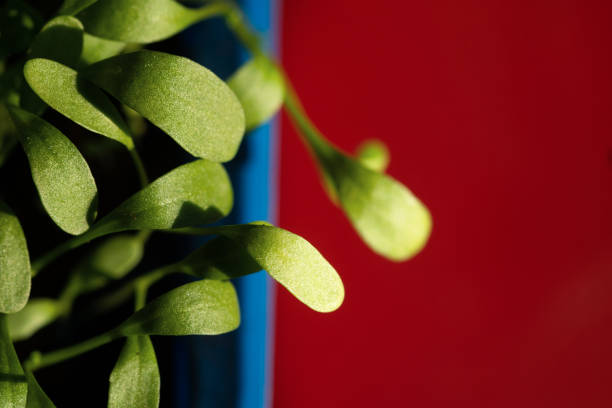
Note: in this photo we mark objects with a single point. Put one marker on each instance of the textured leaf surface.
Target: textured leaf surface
(374, 155)
(139, 21)
(193, 194)
(38, 313)
(13, 386)
(291, 261)
(78, 99)
(135, 381)
(259, 86)
(15, 275)
(65, 184)
(61, 39)
(202, 307)
(36, 396)
(70, 7)
(184, 99)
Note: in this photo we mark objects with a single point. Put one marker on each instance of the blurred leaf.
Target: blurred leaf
(387, 216)
(114, 258)
(374, 155)
(202, 307)
(38, 313)
(63, 179)
(19, 23)
(97, 49)
(71, 7)
(141, 21)
(61, 40)
(291, 261)
(78, 99)
(135, 381)
(260, 88)
(184, 99)
(13, 386)
(15, 275)
(196, 193)
(36, 396)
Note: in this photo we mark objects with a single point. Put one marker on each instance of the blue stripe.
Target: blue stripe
(234, 370)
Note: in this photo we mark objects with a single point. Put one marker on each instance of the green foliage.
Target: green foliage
(38, 313)
(66, 91)
(13, 387)
(135, 381)
(387, 216)
(288, 258)
(79, 57)
(193, 194)
(14, 263)
(202, 307)
(140, 21)
(260, 88)
(184, 99)
(65, 184)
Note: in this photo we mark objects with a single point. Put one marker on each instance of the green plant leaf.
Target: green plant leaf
(15, 275)
(291, 261)
(13, 386)
(36, 396)
(141, 21)
(19, 23)
(184, 99)
(71, 7)
(135, 381)
(374, 155)
(386, 215)
(220, 258)
(112, 259)
(116, 256)
(195, 193)
(61, 39)
(259, 86)
(38, 313)
(63, 179)
(202, 307)
(97, 49)
(66, 91)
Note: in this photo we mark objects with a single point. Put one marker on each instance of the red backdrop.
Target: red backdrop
(498, 115)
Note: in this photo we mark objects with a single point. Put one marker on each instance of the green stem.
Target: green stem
(39, 360)
(58, 251)
(145, 281)
(142, 174)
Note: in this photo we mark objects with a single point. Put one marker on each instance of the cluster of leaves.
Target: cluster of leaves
(92, 51)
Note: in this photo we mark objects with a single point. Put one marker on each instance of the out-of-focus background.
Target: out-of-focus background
(498, 116)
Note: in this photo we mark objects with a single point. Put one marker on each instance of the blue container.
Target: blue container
(235, 369)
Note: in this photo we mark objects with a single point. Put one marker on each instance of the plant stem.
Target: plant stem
(142, 174)
(38, 360)
(58, 251)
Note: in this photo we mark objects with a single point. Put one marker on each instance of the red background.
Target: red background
(498, 116)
